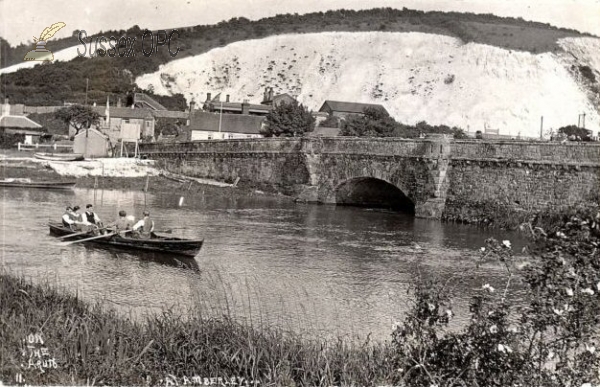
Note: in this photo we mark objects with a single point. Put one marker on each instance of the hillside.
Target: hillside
(66, 81)
(416, 76)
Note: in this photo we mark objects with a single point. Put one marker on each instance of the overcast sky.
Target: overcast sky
(21, 20)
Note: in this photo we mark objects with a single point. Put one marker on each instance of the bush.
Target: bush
(550, 340)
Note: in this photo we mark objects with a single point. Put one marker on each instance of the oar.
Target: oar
(89, 239)
(72, 235)
(81, 233)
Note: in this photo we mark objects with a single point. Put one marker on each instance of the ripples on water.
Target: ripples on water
(321, 270)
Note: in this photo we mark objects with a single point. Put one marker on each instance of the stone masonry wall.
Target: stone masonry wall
(468, 180)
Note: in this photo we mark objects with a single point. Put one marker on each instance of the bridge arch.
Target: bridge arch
(373, 192)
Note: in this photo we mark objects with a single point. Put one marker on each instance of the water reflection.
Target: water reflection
(324, 270)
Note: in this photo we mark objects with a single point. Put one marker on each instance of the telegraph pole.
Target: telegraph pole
(542, 128)
(86, 89)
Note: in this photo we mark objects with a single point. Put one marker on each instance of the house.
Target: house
(215, 126)
(215, 105)
(123, 123)
(19, 124)
(343, 109)
(271, 100)
(92, 144)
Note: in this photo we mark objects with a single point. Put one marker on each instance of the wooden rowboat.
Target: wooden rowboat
(160, 244)
(27, 183)
(59, 156)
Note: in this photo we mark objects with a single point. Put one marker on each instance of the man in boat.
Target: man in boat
(92, 219)
(121, 225)
(69, 218)
(143, 228)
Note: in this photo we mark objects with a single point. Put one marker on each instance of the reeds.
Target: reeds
(95, 346)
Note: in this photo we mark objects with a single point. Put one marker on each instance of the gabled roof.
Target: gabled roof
(87, 132)
(145, 99)
(349, 107)
(18, 122)
(124, 112)
(230, 123)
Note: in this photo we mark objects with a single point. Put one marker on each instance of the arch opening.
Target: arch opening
(373, 193)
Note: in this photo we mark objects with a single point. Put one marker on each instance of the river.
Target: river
(318, 270)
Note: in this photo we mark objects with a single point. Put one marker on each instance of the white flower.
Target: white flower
(558, 312)
(506, 243)
(504, 348)
(569, 292)
(488, 288)
(513, 329)
(588, 291)
(449, 313)
(494, 329)
(431, 307)
(598, 286)
(550, 355)
(482, 249)
(395, 325)
(590, 348)
(587, 385)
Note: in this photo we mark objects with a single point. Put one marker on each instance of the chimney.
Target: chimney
(208, 96)
(6, 107)
(227, 98)
(189, 120)
(245, 107)
(270, 94)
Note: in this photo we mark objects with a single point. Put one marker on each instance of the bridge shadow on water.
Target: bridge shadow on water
(373, 193)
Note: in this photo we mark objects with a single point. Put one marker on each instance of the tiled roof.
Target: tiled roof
(20, 122)
(143, 98)
(170, 114)
(237, 106)
(124, 112)
(230, 123)
(349, 107)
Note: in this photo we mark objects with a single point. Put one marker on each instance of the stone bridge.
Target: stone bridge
(437, 177)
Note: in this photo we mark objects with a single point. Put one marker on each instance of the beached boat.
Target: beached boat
(27, 183)
(59, 156)
(161, 244)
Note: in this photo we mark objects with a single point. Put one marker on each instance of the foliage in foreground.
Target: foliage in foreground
(549, 337)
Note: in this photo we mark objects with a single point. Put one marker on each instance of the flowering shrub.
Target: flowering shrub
(550, 338)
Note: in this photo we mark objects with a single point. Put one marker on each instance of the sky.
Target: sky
(21, 20)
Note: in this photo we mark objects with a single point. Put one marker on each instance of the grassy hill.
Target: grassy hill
(66, 81)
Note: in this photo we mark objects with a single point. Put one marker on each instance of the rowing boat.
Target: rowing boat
(161, 244)
(59, 156)
(27, 183)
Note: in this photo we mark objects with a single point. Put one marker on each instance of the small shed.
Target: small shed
(91, 143)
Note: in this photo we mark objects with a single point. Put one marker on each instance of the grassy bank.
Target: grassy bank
(84, 344)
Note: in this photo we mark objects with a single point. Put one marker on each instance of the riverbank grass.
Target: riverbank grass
(52, 338)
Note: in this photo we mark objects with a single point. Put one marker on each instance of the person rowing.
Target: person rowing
(121, 225)
(144, 227)
(92, 219)
(69, 218)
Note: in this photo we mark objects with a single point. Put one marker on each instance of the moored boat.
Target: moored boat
(59, 156)
(27, 183)
(161, 244)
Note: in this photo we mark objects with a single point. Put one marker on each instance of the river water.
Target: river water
(318, 270)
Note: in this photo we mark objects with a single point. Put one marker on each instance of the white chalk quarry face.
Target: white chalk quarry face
(417, 77)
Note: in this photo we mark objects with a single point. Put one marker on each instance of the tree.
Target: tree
(373, 123)
(79, 116)
(573, 130)
(289, 120)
